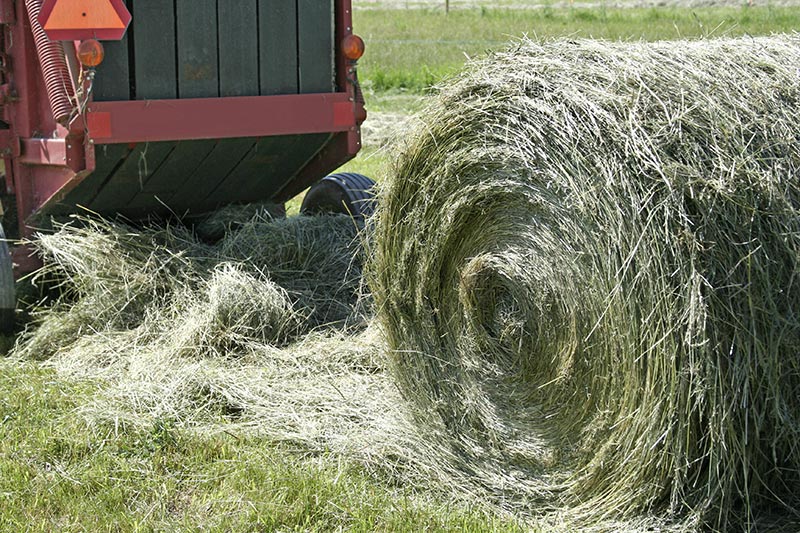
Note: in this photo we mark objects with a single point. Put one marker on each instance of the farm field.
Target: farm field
(406, 55)
(63, 471)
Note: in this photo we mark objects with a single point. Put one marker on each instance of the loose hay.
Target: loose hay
(263, 332)
(586, 266)
(200, 334)
(269, 281)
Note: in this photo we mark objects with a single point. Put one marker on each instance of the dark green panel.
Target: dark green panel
(153, 34)
(315, 26)
(197, 48)
(108, 158)
(291, 162)
(258, 166)
(277, 29)
(178, 168)
(145, 206)
(112, 81)
(265, 171)
(131, 177)
(222, 160)
(181, 164)
(238, 48)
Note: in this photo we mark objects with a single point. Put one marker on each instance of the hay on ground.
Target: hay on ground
(246, 334)
(586, 265)
(270, 280)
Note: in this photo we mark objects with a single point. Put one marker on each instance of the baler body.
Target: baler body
(203, 103)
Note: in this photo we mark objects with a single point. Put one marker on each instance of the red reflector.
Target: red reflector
(65, 20)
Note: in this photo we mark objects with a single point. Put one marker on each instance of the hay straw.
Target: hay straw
(263, 332)
(268, 281)
(586, 267)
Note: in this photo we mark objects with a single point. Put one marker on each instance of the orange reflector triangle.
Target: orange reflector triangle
(84, 19)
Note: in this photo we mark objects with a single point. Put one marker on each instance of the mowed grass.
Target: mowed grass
(57, 473)
(60, 473)
(414, 49)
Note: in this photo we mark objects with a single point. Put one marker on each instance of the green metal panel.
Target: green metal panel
(112, 80)
(131, 176)
(258, 166)
(191, 177)
(108, 158)
(277, 29)
(178, 168)
(238, 48)
(315, 21)
(222, 160)
(198, 75)
(181, 164)
(209, 48)
(267, 168)
(153, 35)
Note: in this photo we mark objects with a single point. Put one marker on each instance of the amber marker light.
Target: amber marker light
(90, 53)
(353, 47)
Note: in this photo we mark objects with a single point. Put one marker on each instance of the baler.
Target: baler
(186, 106)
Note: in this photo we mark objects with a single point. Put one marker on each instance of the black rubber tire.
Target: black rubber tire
(8, 298)
(347, 193)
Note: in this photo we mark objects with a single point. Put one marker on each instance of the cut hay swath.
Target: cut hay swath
(587, 268)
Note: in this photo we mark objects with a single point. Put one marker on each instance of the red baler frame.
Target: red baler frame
(45, 160)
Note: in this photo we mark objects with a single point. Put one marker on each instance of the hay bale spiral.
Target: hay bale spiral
(586, 266)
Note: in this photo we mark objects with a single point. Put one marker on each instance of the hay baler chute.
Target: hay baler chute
(201, 103)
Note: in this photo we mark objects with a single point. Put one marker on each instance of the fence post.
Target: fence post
(447, 6)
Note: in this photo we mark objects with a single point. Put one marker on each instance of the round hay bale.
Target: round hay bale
(586, 266)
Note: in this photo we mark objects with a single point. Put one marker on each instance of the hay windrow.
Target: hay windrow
(586, 267)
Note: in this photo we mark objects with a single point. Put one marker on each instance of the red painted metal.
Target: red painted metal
(44, 152)
(81, 23)
(7, 15)
(62, 152)
(218, 118)
(26, 108)
(57, 80)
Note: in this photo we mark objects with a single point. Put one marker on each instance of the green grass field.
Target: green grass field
(406, 50)
(407, 55)
(59, 473)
